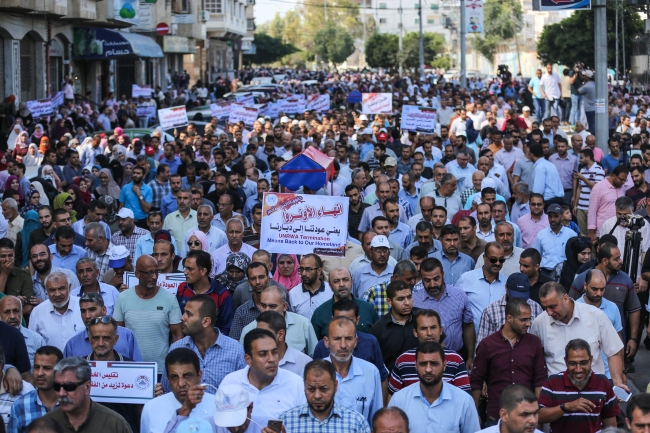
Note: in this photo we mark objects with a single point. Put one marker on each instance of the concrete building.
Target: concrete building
(225, 28)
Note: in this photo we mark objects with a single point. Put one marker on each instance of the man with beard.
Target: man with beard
(145, 244)
(168, 204)
(521, 206)
(43, 399)
(445, 195)
(494, 355)
(505, 235)
(235, 233)
(383, 193)
(485, 230)
(182, 220)
(453, 262)
(11, 312)
(359, 384)
(136, 196)
(638, 192)
(578, 399)
(89, 283)
(352, 192)
(447, 407)
(551, 241)
(534, 222)
(216, 237)
(96, 213)
(518, 411)
(398, 232)
(220, 185)
(377, 271)
(470, 244)
(321, 391)
(45, 217)
(313, 290)
(58, 319)
(41, 260)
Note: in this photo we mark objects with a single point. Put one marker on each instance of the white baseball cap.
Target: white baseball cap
(118, 257)
(379, 242)
(125, 213)
(363, 117)
(232, 403)
(284, 119)
(526, 108)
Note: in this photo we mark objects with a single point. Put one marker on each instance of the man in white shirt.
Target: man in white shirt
(59, 318)
(551, 91)
(312, 291)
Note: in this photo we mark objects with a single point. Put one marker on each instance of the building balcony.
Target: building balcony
(224, 26)
(81, 10)
(19, 6)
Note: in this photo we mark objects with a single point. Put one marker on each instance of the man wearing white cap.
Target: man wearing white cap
(366, 144)
(128, 234)
(377, 271)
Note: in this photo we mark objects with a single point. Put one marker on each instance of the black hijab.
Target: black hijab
(573, 247)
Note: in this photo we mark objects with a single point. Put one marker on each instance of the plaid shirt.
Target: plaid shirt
(341, 419)
(494, 317)
(159, 191)
(467, 193)
(245, 314)
(119, 239)
(376, 296)
(26, 408)
(101, 260)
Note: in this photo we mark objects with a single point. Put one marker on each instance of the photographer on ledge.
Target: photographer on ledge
(588, 92)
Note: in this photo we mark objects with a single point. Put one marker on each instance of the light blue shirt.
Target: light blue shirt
(108, 292)
(453, 412)
(519, 210)
(546, 180)
(144, 246)
(365, 277)
(80, 227)
(33, 341)
(436, 246)
(454, 270)
(68, 262)
(126, 345)
(480, 292)
(611, 311)
(463, 175)
(168, 204)
(360, 390)
(248, 206)
(402, 235)
(536, 84)
(131, 201)
(551, 246)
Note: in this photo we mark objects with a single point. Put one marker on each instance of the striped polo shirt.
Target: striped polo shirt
(595, 174)
(404, 372)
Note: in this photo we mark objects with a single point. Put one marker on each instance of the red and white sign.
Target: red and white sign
(162, 29)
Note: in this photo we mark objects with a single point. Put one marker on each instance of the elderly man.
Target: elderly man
(76, 409)
(88, 276)
(41, 260)
(383, 193)
(58, 319)
(14, 220)
(11, 312)
(377, 271)
(98, 246)
(505, 235)
(235, 234)
(215, 236)
(446, 195)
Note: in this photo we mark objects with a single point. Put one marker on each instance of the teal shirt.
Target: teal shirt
(323, 314)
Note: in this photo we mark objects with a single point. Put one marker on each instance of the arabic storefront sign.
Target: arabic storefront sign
(99, 43)
(320, 103)
(40, 108)
(420, 119)
(145, 90)
(179, 44)
(377, 103)
(220, 111)
(122, 382)
(474, 16)
(166, 281)
(304, 224)
(174, 117)
(239, 112)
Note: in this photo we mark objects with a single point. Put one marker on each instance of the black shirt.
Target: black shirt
(13, 343)
(354, 219)
(394, 339)
(534, 289)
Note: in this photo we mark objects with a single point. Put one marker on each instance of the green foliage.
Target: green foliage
(502, 21)
(270, 49)
(572, 39)
(333, 44)
(433, 45)
(443, 62)
(382, 50)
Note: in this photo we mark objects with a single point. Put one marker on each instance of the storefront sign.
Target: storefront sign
(40, 108)
(174, 117)
(179, 44)
(377, 103)
(183, 19)
(122, 382)
(420, 119)
(304, 224)
(127, 11)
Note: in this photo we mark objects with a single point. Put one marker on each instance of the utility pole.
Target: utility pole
(600, 38)
(616, 21)
(463, 46)
(421, 40)
(325, 10)
(363, 5)
(401, 27)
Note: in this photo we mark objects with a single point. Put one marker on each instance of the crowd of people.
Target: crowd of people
(482, 284)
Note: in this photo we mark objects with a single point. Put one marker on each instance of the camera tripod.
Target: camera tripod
(631, 253)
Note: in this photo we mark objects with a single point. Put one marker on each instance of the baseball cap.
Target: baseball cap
(149, 151)
(232, 403)
(284, 119)
(382, 136)
(295, 122)
(118, 256)
(379, 241)
(588, 73)
(526, 108)
(390, 161)
(125, 213)
(518, 286)
(554, 208)
(363, 117)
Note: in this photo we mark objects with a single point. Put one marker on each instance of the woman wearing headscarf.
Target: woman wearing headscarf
(128, 172)
(119, 153)
(20, 146)
(38, 133)
(44, 145)
(85, 184)
(33, 157)
(102, 161)
(3, 161)
(32, 202)
(30, 224)
(45, 201)
(81, 134)
(578, 252)
(235, 273)
(77, 200)
(47, 170)
(286, 270)
(64, 201)
(14, 183)
(15, 132)
(111, 210)
(117, 170)
(59, 129)
(25, 114)
(107, 185)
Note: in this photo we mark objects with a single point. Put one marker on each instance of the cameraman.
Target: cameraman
(588, 91)
(576, 98)
(506, 77)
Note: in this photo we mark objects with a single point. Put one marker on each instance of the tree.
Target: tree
(333, 44)
(381, 50)
(433, 45)
(572, 39)
(502, 21)
(270, 49)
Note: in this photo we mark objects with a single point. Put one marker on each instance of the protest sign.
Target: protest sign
(173, 117)
(292, 106)
(166, 281)
(145, 90)
(40, 108)
(122, 382)
(245, 98)
(145, 111)
(239, 112)
(221, 111)
(272, 110)
(57, 99)
(420, 119)
(377, 103)
(304, 224)
(320, 103)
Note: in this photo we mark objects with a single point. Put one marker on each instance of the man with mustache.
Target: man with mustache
(578, 399)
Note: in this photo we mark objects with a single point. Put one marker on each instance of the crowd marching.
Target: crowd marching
(482, 284)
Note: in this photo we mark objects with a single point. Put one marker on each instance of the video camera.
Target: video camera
(502, 71)
(632, 222)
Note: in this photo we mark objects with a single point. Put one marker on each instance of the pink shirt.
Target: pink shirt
(529, 228)
(601, 203)
(598, 154)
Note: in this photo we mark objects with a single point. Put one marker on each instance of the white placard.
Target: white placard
(123, 382)
(245, 98)
(292, 106)
(57, 99)
(145, 111)
(145, 91)
(40, 108)
(377, 103)
(220, 111)
(420, 119)
(239, 112)
(272, 110)
(167, 281)
(320, 103)
(174, 117)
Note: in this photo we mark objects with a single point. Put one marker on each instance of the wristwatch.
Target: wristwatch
(141, 198)
(563, 407)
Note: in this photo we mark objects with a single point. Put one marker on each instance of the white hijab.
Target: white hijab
(11, 141)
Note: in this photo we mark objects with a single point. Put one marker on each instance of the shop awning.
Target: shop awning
(99, 43)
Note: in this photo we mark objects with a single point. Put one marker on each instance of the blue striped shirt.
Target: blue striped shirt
(26, 409)
(300, 419)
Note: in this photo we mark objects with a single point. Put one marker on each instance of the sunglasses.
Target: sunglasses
(102, 319)
(67, 203)
(193, 243)
(68, 386)
(494, 260)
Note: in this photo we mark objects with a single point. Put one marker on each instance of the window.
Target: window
(250, 2)
(250, 24)
(214, 6)
(417, 21)
(417, 6)
(382, 5)
(435, 7)
(181, 6)
(382, 20)
(430, 21)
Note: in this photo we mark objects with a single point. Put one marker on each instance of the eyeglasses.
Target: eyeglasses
(67, 203)
(497, 259)
(301, 269)
(525, 319)
(102, 319)
(150, 273)
(68, 386)
(193, 243)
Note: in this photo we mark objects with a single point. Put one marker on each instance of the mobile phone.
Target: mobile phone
(275, 425)
(621, 393)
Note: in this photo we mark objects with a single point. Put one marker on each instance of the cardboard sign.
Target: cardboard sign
(40, 108)
(145, 91)
(123, 382)
(377, 103)
(420, 119)
(174, 117)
